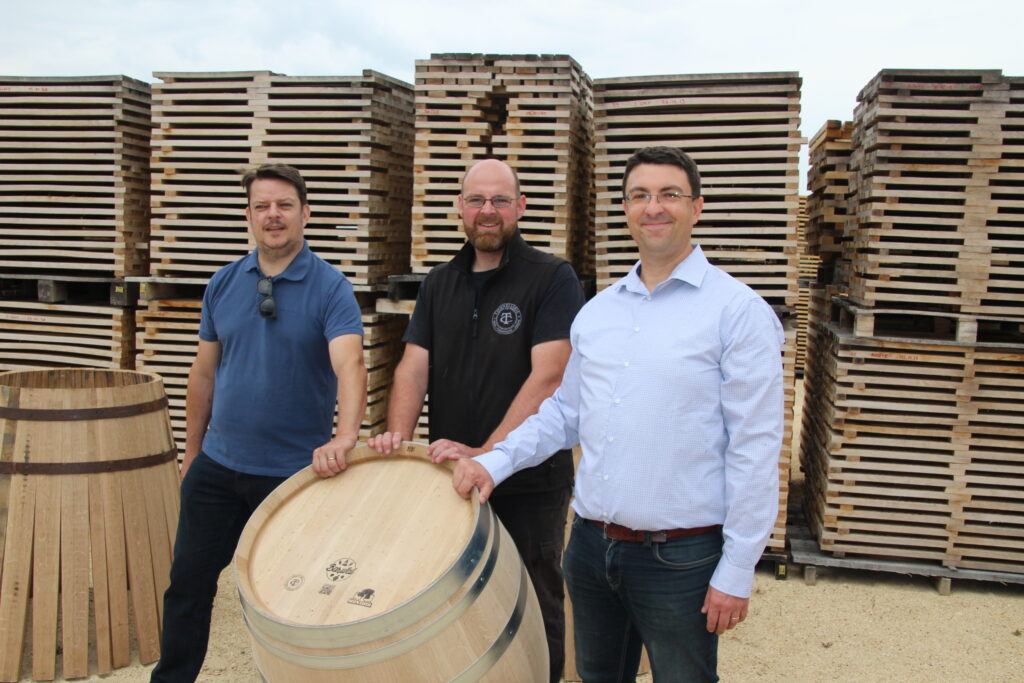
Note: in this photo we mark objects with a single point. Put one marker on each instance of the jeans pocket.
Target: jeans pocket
(682, 557)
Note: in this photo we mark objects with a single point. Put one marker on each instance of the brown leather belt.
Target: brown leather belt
(622, 533)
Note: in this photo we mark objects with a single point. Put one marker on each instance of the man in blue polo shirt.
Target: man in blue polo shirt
(280, 345)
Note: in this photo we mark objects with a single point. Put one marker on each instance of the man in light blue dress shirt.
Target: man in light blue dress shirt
(674, 391)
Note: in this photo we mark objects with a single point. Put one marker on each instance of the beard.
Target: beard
(489, 241)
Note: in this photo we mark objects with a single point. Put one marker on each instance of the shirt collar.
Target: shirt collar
(690, 270)
(296, 270)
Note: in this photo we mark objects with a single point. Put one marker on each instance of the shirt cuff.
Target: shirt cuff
(732, 580)
(497, 464)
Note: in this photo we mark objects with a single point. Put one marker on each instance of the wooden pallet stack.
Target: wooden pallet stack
(743, 132)
(1003, 291)
(829, 181)
(74, 218)
(912, 421)
(351, 136)
(808, 275)
(74, 175)
(533, 111)
(35, 334)
(928, 144)
(168, 338)
(911, 444)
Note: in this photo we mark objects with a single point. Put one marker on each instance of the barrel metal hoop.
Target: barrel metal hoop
(486, 661)
(81, 414)
(97, 467)
(392, 650)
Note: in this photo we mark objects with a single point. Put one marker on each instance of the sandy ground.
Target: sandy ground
(850, 626)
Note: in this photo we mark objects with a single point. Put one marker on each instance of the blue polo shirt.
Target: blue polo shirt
(275, 395)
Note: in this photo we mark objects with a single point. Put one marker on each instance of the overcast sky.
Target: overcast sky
(835, 46)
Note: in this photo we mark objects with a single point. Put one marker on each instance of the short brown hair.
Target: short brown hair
(288, 174)
(664, 155)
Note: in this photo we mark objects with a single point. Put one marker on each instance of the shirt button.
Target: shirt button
(636, 329)
(606, 477)
(626, 363)
(618, 401)
(611, 439)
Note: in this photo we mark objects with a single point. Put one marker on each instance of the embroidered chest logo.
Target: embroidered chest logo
(506, 319)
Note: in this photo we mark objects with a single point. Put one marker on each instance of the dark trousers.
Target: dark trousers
(626, 594)
(536, 522)
(215, 504)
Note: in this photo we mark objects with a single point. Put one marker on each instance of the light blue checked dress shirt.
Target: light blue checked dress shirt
(676, 398)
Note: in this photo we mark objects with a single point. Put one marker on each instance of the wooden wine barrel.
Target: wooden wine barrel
(88, 509)
(383, 573)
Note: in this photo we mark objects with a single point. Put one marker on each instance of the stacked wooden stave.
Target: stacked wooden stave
(74, 175)
(743, 132)
(351, 136)
(927, 144)
(531, 110)
(913, 388)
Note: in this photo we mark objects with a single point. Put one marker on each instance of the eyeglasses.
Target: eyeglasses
(267, 307)
(477, 202)
(644, 198)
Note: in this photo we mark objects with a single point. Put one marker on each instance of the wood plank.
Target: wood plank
(45, 570)
(74, 575)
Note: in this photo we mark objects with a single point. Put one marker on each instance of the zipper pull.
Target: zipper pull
(476, 317)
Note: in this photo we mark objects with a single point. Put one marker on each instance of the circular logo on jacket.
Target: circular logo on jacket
(506, 319)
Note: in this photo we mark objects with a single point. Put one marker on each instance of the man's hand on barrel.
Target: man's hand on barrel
(386, 442)
(469, 473)
(329, 459)
(446, 449)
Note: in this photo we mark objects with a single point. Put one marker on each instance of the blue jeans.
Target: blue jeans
(216, 502)
(625, 595)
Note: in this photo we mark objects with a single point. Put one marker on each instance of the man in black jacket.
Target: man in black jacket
(488, 340)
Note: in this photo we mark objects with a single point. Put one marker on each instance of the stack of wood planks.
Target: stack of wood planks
(74, 217)
(828, 180)
(912, 422)
(35, 334)
(911, 446)
(168, 338)
(350, 136)
(74, 175)
(743, 130)
(809, 264)
(533, 111)
(928, 148)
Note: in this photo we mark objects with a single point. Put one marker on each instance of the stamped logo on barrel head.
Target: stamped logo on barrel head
(363, 598)
(339, 570)
(294, 582)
